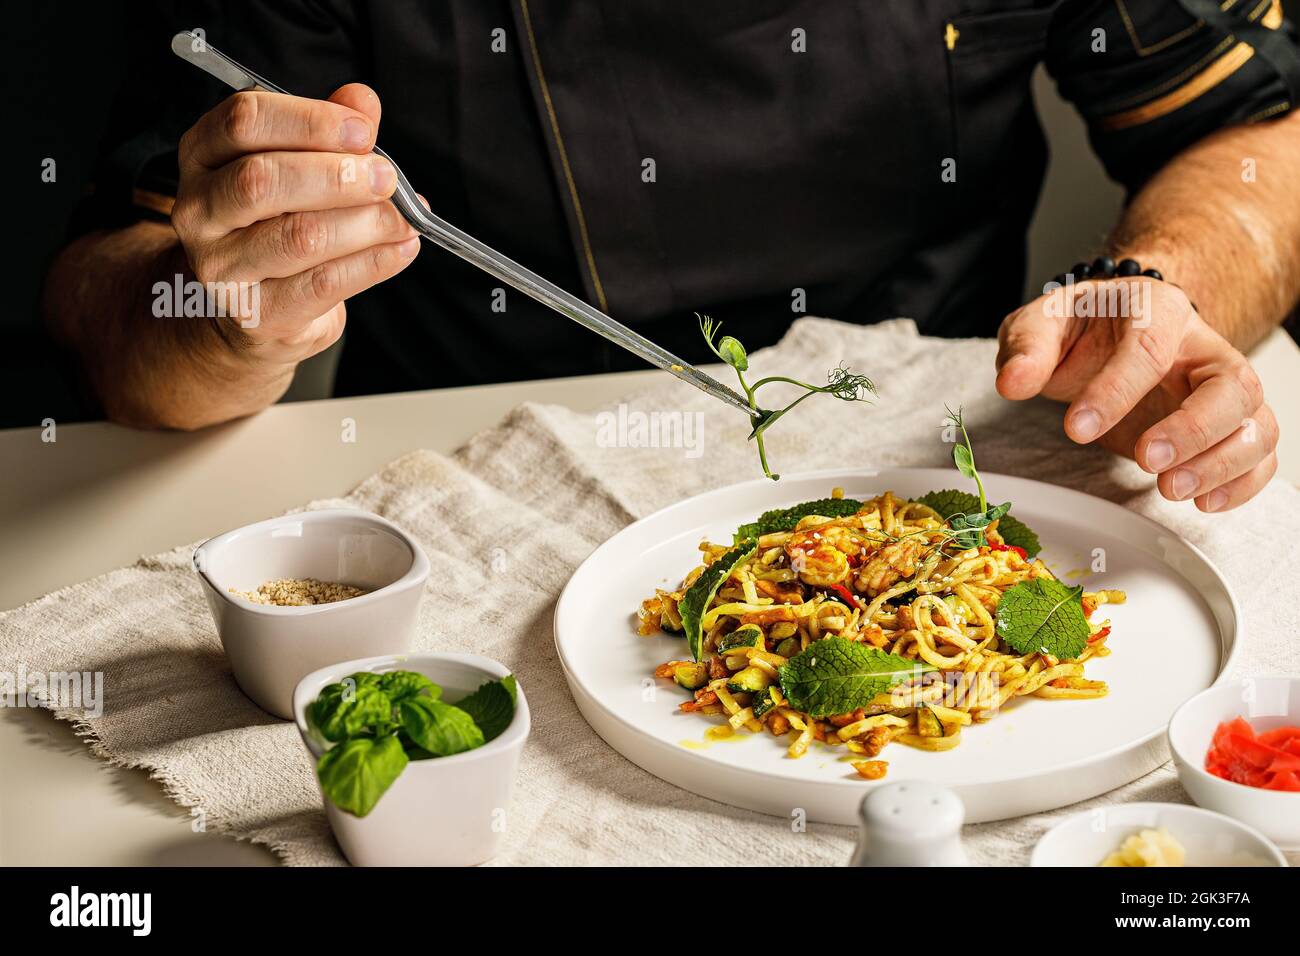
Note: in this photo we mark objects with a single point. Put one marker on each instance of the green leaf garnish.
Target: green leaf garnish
(399, 685)
(357, 772)
(379, 722)
(350, 707)
(784, 519)
(439, 728)
(836, 676)
(950, 502)
(840, 382)
(492, 706)
(695, 602)
(1043, 616)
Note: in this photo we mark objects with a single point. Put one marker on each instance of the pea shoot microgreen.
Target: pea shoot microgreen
(842, 383)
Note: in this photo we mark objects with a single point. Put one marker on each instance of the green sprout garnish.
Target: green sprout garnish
(842, 383)
(969, 528)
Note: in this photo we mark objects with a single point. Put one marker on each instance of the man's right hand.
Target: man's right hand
(284, 192)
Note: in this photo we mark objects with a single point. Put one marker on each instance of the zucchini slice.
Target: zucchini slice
(763, 701)
(748, 635)
(928, 723)
(748, 681)
(691, 676)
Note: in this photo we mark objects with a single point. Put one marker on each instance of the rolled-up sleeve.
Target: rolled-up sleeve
(1151, 77)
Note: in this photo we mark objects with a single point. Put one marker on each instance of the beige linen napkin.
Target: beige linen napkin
(507, 518)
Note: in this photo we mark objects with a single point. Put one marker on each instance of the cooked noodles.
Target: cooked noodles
(892, 577)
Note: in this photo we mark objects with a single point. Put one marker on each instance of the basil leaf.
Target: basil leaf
(836, 676)
(399, 685)
(349, 707)
(438, 727)
(492, 706)
(356, 773)
(695, 602)
(1044, 616)
(784, 519)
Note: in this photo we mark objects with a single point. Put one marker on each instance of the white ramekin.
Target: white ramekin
(270, 648)
(1210, 839)
(444, 811)
(1266, 702)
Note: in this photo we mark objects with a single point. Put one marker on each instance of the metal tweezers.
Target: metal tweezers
(196, 50)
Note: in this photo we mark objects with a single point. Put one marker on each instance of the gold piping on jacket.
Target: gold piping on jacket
(564, 160)
(1273, 19)
(155, 202)
(1202, 83)
(1158, 46)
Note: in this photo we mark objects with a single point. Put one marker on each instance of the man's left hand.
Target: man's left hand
(1146, 377)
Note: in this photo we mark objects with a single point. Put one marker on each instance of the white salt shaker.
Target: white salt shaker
(911, 824)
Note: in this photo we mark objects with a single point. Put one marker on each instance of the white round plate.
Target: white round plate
(1173, 638)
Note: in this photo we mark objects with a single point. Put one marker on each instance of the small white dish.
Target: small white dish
(1209, 838)
(445, 811)
(270, 648)
(1265, 703)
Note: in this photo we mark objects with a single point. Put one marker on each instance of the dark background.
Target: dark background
(66, 69)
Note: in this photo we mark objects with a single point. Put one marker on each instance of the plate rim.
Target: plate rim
(1227, 654)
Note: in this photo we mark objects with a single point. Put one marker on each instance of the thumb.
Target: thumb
(1029, 349)
(359, 97)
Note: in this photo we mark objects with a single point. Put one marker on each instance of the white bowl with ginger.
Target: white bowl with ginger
(297, 593)
(1154, 834)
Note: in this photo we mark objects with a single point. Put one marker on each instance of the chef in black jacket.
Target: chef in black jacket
(757, 160)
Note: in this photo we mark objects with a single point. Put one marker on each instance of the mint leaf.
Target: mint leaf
(700, 594)
(492, 706)
(1044, 616)
(349, 707)
(355, 774)
(399, 685)
(439, 728)
(836, 676)
(784, 519)
(950, 502)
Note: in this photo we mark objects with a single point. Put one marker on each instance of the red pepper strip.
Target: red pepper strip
(843, 592)
(1099, 635)
(1024, 555)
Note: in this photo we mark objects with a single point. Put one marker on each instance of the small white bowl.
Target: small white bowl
(444, 811)
(1210, 839)
(270, 648)
(1265, 702)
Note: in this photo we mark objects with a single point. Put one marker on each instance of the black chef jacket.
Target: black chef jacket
(752, 159)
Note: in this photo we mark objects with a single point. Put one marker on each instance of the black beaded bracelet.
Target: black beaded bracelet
(1104, 267)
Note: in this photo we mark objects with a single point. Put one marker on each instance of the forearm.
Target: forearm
(1222, 221)
(169, 372)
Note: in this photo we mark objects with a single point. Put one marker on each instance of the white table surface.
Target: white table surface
(101, 496)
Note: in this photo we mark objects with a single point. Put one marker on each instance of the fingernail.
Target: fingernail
(1160, 455)
(355, 133)
(409, 247)
(1218, 498)
(1184, 483)
(1085, 424)
(382, 177)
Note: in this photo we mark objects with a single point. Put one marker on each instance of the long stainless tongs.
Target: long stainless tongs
(196, 50)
